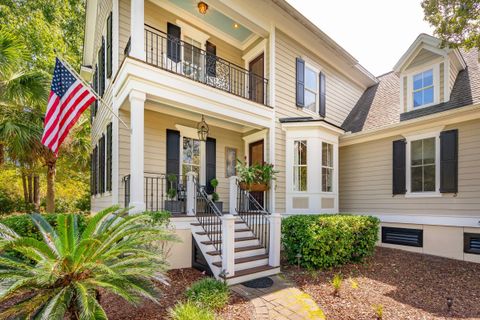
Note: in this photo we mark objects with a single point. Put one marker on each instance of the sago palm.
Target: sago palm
(70, 267)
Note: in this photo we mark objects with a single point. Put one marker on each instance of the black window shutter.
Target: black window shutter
(173, 42)
(399, 167)
(109, 45)
(92, 174)
(109, 157)
(211, 59)
(95, 170)
(211, 163)
(449, 161)
(300, 83)
(173, 152)
(93, 111)
(102, 164)
(322, 95)
(101, 73)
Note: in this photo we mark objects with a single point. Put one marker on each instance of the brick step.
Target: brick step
(250, 271)
(243, 260)
(203, 233)
(236, 240)
(239, 249)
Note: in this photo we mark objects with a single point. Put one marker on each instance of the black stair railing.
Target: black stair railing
(255, 216)
(209, 217)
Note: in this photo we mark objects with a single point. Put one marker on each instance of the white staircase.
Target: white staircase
(251, 258)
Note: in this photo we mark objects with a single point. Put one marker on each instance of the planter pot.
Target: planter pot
(254, 187)
(174, 206)
(219, 206)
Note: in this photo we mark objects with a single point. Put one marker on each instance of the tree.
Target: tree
(70, 268)
(456, 22)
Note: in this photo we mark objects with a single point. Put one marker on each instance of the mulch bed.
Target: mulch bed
(407, 285)
(180, 279)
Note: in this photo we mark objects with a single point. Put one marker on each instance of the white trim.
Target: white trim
(432, 134)
(272, 130)
(450, 221)
(446, 78)
(436, 84)
(254, 137)
(253, 53)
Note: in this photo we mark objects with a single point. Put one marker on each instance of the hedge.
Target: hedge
(325, 241)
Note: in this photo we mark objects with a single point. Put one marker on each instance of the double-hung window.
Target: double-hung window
(327, 167)
(422, 165)
(300, 165)
(191, 57)
(311, 88)
(423, 91)
(191, 156)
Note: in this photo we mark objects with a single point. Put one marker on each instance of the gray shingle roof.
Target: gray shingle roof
(380, 104)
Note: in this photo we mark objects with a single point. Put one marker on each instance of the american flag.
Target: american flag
(69, 97)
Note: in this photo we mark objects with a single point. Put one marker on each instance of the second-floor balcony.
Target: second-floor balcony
(186, 58)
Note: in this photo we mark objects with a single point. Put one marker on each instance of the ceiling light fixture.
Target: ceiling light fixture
(236, 25)
(202, 7)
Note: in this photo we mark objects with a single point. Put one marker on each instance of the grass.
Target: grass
(209, 293)
(190, 311)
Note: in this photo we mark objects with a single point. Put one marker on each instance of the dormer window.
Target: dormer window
(423, 88)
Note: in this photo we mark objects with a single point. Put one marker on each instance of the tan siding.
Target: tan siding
(452, 75)
(423, 57)
(405, 93)
(442, 81)
(156, 125)
(366, 179)
(124, 27)
(342, 95)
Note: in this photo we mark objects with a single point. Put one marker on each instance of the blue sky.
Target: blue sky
(375, 32)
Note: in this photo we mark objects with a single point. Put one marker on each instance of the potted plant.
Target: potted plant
(256, 177)
(172, 205)
(214, 195)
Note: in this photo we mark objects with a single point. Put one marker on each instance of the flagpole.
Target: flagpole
(71, 69)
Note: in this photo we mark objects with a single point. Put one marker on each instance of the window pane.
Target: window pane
(417, 179)
(300, 178)
(428, 95)
(327, 154)
(311, 79)
(428, 78)
(303, 178)
(416, 152)
(417, 99)
(310, 101)
(303, 152)
(429, 178)
(429, 151)
(327, 178)
(417, 81)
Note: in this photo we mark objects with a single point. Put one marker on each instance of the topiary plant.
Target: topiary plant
(69, 266)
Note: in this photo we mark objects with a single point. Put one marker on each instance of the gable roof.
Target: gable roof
(379, 105)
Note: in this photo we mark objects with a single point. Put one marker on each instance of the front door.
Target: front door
(256, 156)
(256, 82)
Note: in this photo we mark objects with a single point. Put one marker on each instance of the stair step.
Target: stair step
(236, 240)
(254, 270)
(197, 224)
(240, 249)
(203, 233)
(243, 260)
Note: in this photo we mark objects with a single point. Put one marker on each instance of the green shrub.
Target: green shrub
(208, 293)
(190, 311)
(328, 240)
(24, 226)
(8, 202)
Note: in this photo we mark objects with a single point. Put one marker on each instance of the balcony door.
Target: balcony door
(256, 75)
(256, 156)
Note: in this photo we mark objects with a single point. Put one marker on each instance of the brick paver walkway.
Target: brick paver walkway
(281, 301)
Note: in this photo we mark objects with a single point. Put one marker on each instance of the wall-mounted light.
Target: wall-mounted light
(202, 7)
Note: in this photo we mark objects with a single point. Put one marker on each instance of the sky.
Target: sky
(375, 32)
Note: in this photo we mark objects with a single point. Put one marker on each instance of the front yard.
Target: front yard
(405, 285)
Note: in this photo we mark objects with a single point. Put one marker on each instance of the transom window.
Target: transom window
(327, 167)
(423, 88)
(191, 156)
(300, 165)
(423, 165)
(311, 88)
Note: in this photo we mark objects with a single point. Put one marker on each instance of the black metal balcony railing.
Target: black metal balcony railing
(177, 56)
(162, 192)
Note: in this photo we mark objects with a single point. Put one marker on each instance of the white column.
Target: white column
(191, 193)
(137, 27)
(228, 244)
(275, 234)
(137, 104)
(232, 201)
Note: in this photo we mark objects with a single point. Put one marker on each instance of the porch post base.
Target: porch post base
(228, 244)
(275, 243)
(232, 181)
(191, 194)
(136, 207)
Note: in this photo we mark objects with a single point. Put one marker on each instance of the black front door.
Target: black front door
(256, 156)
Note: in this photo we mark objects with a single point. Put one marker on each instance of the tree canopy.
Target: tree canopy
(456, 22)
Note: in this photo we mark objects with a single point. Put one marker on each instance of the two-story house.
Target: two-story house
(201, 84)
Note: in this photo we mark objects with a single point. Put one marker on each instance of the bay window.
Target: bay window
(327, 167)
(300, 165)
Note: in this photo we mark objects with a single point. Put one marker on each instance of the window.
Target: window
(422, 165)
(300, 165)
(191, 57)
(191, 156)
(423, 88)
(327, 167)
(311, 89)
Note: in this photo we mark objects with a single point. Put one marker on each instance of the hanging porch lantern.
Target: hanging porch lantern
(202, 128)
